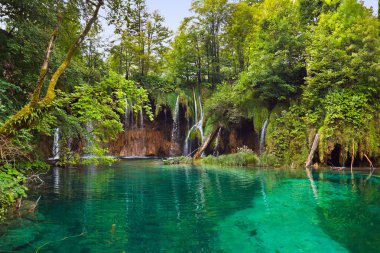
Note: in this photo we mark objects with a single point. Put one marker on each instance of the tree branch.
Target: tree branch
(23, 118)
(50, 94)
(45, 65)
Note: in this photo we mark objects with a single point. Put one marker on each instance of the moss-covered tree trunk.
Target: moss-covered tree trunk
(30, 113)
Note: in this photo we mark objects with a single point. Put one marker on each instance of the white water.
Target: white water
(198, 119)
(126, 116)
(186, 146)
(89, 139)
(56, 144)
(195, 107)
(175, 130)
(132, 116)
(216, 152)
(70, 144)
(141, 118)
(262, 136)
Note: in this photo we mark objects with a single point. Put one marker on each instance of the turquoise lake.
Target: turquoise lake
(143, 206)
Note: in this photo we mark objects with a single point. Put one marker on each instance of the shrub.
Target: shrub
(269, 160)
(178, 160)
(243, 157)
(11, 187)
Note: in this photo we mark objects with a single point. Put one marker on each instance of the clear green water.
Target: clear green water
(142, 206)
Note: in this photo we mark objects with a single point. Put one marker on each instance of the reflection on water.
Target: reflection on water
(141, 206)
(56, 180)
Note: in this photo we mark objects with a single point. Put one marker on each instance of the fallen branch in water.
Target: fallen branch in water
(314, 148)
(34, 206)
(371, 167)
(60, 240)
(36, 178)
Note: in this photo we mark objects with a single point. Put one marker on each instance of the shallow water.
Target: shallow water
(142, 206)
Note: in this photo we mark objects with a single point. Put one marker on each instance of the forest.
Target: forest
(243, 82)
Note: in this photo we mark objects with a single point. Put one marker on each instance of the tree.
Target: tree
(343, 89)
(236, 31)
(31, 112)
(277, 64)
(211, 15)
(185, 60)
(143, 39)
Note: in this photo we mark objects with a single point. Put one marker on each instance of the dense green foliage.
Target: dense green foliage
(307, 66)
(11, 187)
(13, 180)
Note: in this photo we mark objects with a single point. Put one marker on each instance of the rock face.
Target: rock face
(141, 142)
(237, 136)
(154, 139)
(151, 139)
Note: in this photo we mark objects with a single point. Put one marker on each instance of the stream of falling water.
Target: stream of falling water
(175, 130)
(55, 150)
(126, 116)
(262, 136)
(141, 118)
(198, 119)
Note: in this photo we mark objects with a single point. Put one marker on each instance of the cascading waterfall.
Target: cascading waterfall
(165, 119)
(175, 130)
(132, 116)
(89, 139)
(195, 107)
(56, 144)
(186, 145)
(126, 115)
(70, 144)
(186, 148)
(141, 118)
(198, 121)
(262, 136)
(216, 152)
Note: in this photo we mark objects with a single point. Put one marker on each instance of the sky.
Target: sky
(175, 10)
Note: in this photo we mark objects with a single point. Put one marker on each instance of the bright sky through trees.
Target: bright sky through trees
(175, 10)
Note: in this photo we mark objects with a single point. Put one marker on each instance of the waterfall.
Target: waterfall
(165, 121)
(186, 147)
(70, 144)
(56, 144)
(89, 139)
(126, 115)
(186, 150)
(198, 119)
(141, 118)
(200, 122)
(132, 116)
(175, 130)
(216, 152)
(262, 136)
(195, 107)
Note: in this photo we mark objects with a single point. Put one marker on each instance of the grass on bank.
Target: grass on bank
(243, 157)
